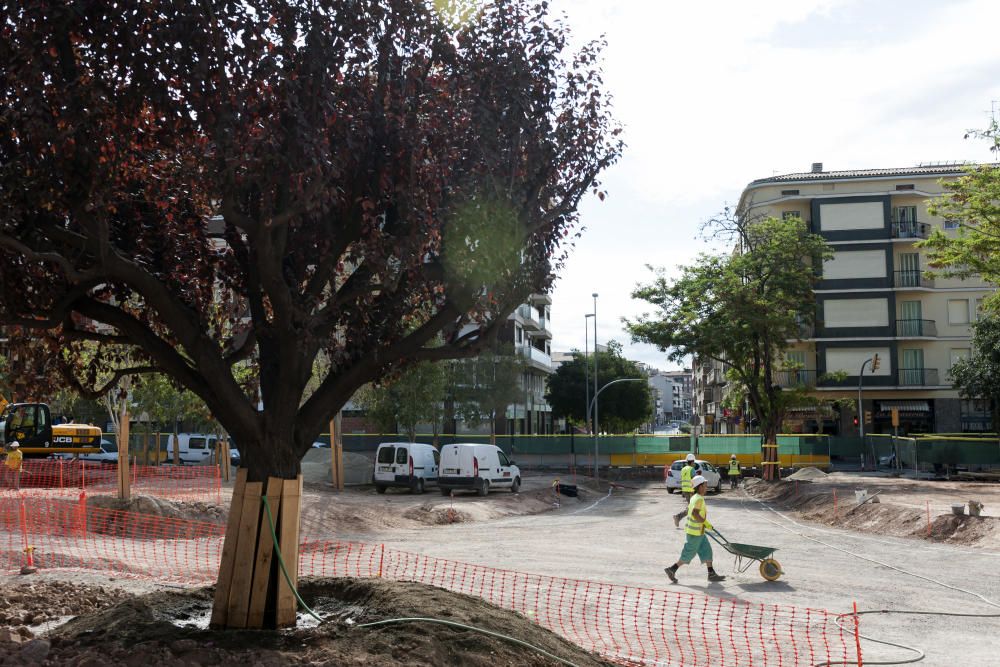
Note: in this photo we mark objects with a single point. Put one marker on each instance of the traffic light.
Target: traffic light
(868, 416)
(855, 421)
(875, 364)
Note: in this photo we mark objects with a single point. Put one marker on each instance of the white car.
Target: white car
(708, 471)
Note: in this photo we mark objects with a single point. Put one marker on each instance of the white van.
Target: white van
(410, 464)
(475, 467)
(193, 448)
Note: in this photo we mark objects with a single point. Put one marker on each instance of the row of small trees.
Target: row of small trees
(478, 391)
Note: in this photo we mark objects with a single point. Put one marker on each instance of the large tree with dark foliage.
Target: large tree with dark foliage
(193, 186)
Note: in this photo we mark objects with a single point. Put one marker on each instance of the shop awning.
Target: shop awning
(905, 406)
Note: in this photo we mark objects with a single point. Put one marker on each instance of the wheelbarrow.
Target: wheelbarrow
(748, 554)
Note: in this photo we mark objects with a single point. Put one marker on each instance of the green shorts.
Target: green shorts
(696, 544)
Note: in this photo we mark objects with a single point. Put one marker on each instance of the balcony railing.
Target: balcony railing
(911, 278)
(910, 229)
(918, 377)
(528, 314)
(534, 354)
(916, 328)
(795, 378)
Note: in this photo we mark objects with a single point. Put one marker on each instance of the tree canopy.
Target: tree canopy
(740, 308)
(413, 397)
(484, 386)
(198, 188)
(622, 407)
(978, 376)
(973, 203)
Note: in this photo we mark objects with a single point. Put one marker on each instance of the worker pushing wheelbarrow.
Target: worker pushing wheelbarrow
(698, 529)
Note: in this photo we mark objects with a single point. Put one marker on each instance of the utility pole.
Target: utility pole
(596, 435)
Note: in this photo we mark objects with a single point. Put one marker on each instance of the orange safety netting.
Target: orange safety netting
(56, 477)
(625, 624)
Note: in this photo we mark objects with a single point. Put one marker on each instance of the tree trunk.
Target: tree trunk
(252, 591)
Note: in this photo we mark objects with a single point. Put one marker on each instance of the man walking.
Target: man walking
(689, 470)
(14, 462)
(696, 542)
(734, 472)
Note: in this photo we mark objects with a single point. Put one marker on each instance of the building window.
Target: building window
(951, 224)
(787, 193)
(791, 215)
(978, 312)
(518, 334)
(904, 214)
(958, 311)
(908, 186)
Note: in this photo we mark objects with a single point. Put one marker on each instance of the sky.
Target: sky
(715, 95)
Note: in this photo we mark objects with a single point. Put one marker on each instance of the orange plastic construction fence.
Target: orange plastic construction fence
(56, 477)
(625, 624)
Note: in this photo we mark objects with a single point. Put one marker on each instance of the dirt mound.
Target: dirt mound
(437, 515)
(816, 502)
(807, 473)
(170, 509)
(169, 628)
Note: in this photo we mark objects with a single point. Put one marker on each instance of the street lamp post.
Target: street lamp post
(595, 384)
(873, 364)
(586, 366)
(593, 405)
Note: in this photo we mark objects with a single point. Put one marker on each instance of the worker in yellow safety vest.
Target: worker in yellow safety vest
(696, 542)
(734, 472)
(689, 470)
(14, 462)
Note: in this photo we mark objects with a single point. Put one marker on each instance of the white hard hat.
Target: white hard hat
(698, 481)
(15, 444)
(732, 456)
(690, 457)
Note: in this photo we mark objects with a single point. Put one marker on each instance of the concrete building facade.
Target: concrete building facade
(874, 297)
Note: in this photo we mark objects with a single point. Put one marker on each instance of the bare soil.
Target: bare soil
(905, 507)
(170, 628)
(170, 509)
(361, 511)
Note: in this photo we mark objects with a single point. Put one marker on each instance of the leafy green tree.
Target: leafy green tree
(622, 407)
(415, 396)
(485, 385)
(161, 401)
(978, 376)
(741, 308)
(973, 202)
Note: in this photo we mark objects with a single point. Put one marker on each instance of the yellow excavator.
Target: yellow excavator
(30, 424)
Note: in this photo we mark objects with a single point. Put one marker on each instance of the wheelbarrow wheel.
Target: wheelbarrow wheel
(770, 569)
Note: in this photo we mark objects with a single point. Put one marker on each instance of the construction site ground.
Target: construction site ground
(878, 556)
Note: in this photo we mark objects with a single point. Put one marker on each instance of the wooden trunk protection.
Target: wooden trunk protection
(251, 591)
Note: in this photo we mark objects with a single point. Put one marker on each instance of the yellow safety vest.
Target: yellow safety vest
(734, 468)
(694, 527)
(686, 479)
(14, 460)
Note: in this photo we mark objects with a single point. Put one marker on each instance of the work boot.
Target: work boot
(715, 576)
(671, 572)
(677, 521)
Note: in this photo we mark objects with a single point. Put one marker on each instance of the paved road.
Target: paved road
(629, 537)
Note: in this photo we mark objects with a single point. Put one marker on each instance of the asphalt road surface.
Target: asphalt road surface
(628, 537)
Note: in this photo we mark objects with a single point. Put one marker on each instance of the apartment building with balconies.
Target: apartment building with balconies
(875, 297)
(530, 333)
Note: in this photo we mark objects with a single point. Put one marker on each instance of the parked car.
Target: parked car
(234, 456)
(108, 454)
(193, 448)
(409, 464)
(319, 444)
(475, 467)
(708, 471)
